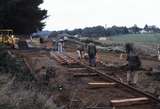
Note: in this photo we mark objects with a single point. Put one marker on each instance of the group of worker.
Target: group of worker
(87, 52)
(134, 62)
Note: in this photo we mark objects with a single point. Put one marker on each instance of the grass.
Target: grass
(7, 106)
(14, 66)
(152, 38)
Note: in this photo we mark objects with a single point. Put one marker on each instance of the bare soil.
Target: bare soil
(67, 92)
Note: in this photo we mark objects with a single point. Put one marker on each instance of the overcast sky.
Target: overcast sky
(71, 14)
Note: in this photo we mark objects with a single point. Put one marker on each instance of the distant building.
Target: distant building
(43, 34)
(64, 36)
(102, 38)
(83, 38)
(77, 36)
(143, 31)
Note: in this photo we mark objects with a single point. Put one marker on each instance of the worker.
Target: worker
(60, 46)
(129, 47)
(134, 64)
(80, 52)
(92, 54)
(55, 46)
(85, 54)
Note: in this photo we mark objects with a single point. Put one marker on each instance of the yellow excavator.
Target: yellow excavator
(7, 37)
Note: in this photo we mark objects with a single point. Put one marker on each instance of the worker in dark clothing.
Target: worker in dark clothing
(129, 47)
(134, 64)
(82, 51)
(92, 54)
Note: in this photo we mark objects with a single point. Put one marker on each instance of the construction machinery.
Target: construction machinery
(7, 37)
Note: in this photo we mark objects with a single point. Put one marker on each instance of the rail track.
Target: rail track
(108, 82)
(97, 88)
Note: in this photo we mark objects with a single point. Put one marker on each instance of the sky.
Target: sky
(71, 14)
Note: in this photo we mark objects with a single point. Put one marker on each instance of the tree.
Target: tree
(96, 31)
(23, 16)
(146, 28)
(154, 29)
(76, 31)
(115, 30)
(135, 29)
(53, 34)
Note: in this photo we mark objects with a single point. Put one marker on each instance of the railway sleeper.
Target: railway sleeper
(107, 77)
(77, 69)
(96, 85)
(129, 101)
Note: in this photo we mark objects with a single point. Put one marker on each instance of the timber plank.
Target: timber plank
(129, 101)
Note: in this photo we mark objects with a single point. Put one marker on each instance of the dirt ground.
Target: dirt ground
(63, 91)
(146, 82)
(67, 92)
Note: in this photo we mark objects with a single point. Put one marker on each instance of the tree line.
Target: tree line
(99, 31)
